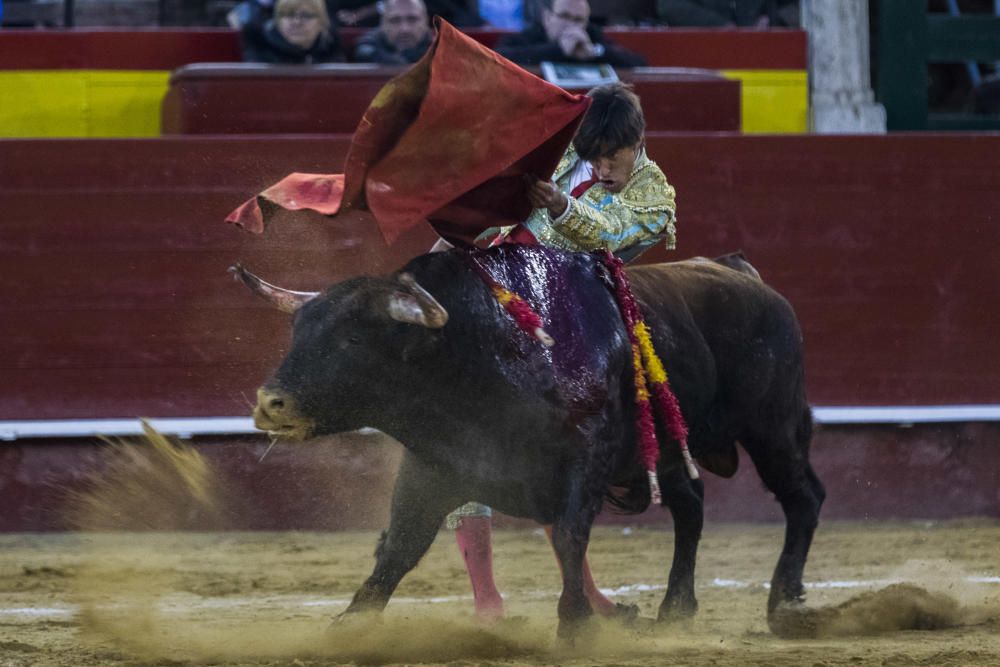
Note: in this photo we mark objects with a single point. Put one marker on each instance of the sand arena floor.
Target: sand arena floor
(266, 598)
(150, 592)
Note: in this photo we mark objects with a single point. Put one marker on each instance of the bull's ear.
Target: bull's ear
(416, 305)
(285, 300)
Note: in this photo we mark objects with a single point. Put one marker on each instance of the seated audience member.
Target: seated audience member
(402, 37)
(729, 13)
(565, 35)
(299, 33)
(260, 12)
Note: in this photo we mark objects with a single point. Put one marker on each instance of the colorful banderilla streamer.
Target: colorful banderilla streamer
(523, 315)
(649, 375)
(525, 318)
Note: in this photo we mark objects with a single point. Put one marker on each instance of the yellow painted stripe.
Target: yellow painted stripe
(81, 103)
(121, 103)
(774, 101)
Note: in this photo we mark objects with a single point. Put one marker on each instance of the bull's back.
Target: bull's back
(725, 335)
(719, 300)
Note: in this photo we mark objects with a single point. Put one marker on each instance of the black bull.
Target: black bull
(487, 413)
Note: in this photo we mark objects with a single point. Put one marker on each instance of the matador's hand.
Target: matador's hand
(545, 194)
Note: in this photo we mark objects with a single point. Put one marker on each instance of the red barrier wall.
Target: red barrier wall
(870, 472)
(115, 302)
(114, 299)
(168, 49)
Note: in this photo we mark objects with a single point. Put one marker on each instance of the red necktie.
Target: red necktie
(583, 187)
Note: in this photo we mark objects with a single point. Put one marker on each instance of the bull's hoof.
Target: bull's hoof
(677, 609)
(794, 620)
(507, 624)
(575, 634)
(626, 614)
(353, 622)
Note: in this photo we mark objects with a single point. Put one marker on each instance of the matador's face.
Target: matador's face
(614, 170)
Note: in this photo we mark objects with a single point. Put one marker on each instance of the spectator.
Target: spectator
(565, 35)
(299, 33)
(402, 37)
(729, 13)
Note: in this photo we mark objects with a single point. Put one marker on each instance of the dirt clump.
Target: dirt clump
(891, 609)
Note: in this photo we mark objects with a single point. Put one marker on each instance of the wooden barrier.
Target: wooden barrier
(936, 471)
(115, 302)
(248, 99)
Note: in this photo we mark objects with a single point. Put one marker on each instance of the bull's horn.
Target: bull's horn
(417, 306)
(284, 300)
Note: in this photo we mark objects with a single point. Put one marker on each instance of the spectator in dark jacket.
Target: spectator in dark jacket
(401, 38)
(565, 35)
(299, 33)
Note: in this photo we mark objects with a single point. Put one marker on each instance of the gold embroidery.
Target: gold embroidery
(600, 219)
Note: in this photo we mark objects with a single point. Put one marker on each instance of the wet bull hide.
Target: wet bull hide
(488, 413)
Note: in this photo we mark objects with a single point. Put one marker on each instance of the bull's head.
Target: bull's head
(345, 343)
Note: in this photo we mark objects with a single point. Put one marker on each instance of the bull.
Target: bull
(487, 413)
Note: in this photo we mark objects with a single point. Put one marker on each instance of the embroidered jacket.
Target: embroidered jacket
(601, 219)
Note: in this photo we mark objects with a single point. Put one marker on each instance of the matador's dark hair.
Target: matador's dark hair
(613, 122)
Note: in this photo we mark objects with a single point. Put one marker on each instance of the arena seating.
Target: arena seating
(111, 83)
(170, 48)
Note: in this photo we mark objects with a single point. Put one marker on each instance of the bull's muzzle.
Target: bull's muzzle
(277, 414)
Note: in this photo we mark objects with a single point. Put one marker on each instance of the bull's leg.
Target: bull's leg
(420, 502)
(684, 498)
(783, 465)
(570, 536)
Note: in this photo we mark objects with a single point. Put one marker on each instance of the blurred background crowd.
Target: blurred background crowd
(398, 32)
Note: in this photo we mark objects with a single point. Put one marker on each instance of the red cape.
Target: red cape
(448, 141)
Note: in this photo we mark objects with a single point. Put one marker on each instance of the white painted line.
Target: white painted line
(735, 583)
(181, 427)
(895, 414)
(41, 612)
(186, 603)
(92, 428)
(186, 427)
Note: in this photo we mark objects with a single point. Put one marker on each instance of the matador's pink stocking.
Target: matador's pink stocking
(474, 535)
